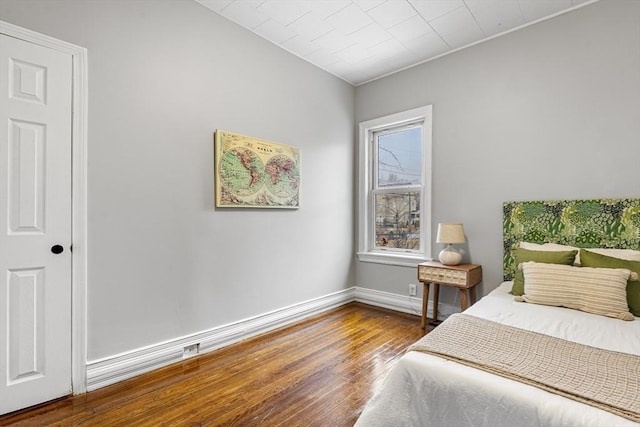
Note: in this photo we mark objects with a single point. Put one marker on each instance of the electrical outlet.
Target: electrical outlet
(413, 290)
(190, 350)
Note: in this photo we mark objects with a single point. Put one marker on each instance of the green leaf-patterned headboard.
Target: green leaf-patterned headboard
(602, 223)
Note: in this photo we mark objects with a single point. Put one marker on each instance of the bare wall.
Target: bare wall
(162, 262)
(548, 112)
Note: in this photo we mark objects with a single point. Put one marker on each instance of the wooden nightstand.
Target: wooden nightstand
(464, 277)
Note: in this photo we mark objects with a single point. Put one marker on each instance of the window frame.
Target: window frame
(367, 251)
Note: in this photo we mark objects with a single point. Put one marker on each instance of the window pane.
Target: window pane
(400, 157)
(398, 220)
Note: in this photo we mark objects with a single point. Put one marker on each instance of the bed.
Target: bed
(424, 389)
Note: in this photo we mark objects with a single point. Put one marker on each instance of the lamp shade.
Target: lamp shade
(450, 233)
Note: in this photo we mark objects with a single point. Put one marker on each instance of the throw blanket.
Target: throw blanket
(605, 379)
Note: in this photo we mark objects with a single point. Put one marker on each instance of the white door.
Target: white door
(35, 215)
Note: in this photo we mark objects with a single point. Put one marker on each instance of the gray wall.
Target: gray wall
(163, 75)
(548, 112)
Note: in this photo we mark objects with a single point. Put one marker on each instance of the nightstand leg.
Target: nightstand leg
(463, 299)
(436, 293)
(425, 300)
(472, 295)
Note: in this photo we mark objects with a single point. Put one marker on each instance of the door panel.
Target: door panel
(35, 214)
(26, 177)
(25, 294)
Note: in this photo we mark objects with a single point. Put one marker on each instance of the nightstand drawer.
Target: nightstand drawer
(440, 275)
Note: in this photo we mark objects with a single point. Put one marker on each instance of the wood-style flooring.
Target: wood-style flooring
(318, 372)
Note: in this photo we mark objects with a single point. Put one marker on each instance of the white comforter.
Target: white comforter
(424, 390)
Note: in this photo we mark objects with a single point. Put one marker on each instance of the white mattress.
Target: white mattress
(424, 390)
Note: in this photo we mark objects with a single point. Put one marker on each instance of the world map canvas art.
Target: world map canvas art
(254, 173)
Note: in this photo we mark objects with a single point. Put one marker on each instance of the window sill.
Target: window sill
(404, 260)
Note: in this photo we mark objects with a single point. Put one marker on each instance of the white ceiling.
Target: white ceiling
(361, 40)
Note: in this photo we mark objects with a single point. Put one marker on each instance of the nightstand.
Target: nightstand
(464, 277)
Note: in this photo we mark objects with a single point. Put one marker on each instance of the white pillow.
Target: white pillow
(626, 254)
(601, 291)
(546, 247)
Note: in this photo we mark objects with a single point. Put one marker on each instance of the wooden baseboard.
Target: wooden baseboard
(404, 304)
(110, 370)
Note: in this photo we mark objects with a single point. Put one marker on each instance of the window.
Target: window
(394, 185)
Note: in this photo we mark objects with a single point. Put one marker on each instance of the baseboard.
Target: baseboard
(405, 304)
(103, 372)
(110, 370)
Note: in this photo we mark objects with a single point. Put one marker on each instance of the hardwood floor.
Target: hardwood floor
(318, 372)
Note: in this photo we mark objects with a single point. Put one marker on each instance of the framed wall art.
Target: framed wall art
(254, 173)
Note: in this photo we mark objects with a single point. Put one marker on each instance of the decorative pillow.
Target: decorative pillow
(551, 247)
(594, 290)
(590, 259)
(523, 255)
(628, 254)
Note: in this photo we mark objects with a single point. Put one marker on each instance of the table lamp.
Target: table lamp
(450, 234)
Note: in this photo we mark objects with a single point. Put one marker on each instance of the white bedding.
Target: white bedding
(424, 390)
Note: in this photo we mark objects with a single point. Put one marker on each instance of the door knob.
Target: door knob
(57, 249)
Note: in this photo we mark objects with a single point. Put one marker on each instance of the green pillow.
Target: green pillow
(549, 257)
(592, 259)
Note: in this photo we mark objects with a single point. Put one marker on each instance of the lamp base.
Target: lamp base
(450, 256)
